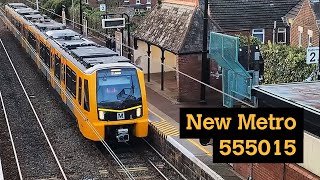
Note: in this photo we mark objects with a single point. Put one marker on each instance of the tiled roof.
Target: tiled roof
(294, 11)
(174, 27)
(316, 9)
(248, 14)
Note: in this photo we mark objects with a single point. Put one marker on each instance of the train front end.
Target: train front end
(121, 105)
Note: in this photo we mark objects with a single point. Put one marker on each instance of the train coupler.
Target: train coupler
(122, 135)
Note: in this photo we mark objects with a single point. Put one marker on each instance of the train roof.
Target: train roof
(93, 52)
(34, 17)
(49, 24)
(27, 11)
(87, 55)
(60, 34)
(72, 44)
(17, 5)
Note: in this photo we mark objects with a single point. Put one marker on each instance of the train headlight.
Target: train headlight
(101, 115)
(138, 113)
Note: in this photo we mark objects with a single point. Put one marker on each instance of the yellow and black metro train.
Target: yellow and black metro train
(93, 81)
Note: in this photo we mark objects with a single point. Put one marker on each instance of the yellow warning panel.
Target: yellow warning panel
(166, 128)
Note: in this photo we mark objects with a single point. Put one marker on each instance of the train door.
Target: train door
(40, 54)
(57, 72)
(63, 79)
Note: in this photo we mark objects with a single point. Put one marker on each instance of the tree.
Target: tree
(248, 40)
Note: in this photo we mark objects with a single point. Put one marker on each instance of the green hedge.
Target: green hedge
(284, 64)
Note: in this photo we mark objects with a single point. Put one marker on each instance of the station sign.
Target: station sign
(103, 7)
(113, 23)
(312, 55)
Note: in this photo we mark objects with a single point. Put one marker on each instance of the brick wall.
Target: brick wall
(94, 3)
(268, 34)
(143, 3)
(274, 171)
(305, 19)
(189, 89)
(183, 2)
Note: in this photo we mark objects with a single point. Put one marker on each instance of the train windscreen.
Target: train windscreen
(118, 88)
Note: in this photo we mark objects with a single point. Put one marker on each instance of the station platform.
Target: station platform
(164, 116)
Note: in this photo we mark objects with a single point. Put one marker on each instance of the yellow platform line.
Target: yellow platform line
(163, 122)
(166, 128)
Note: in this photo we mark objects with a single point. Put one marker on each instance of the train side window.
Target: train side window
(57, 67)
(32, 40)
(45, 54)
(80, 91)
(42, 51)
(86, 96)
(71, 81)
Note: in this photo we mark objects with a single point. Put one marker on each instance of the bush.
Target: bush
(284, 64)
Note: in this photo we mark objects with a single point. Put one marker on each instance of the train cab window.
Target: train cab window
(71, 81)
(86, 96)
(80, 91)
(57, 67)
(45, 54)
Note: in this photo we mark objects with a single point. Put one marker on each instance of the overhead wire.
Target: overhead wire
(209, 86)
(82, 115)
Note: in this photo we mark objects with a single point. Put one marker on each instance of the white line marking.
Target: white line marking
(34, 111)
(1, 174)
(13, 147)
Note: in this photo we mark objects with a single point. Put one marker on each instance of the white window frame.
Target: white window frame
(263, 33)
(126, 1)
(282, 30)
(300, 30)
(148, 2)
(87, 1)
(310, 34)
(148, 8)
(138, 1)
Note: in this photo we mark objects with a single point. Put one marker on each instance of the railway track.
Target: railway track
(22, 120)
(25, 154)
(72, 156)
(142, 161)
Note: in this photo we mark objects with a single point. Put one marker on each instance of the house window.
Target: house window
(259, 33)
(310, 34)
(87, 1)
(148, 1)
(300, 30)
(137, 1)
(126, 1)
(148, 8)
(281, 35)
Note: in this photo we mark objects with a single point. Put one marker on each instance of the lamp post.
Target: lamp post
(81, 28)
(72, 14)
(205, 74)
(37, 5)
